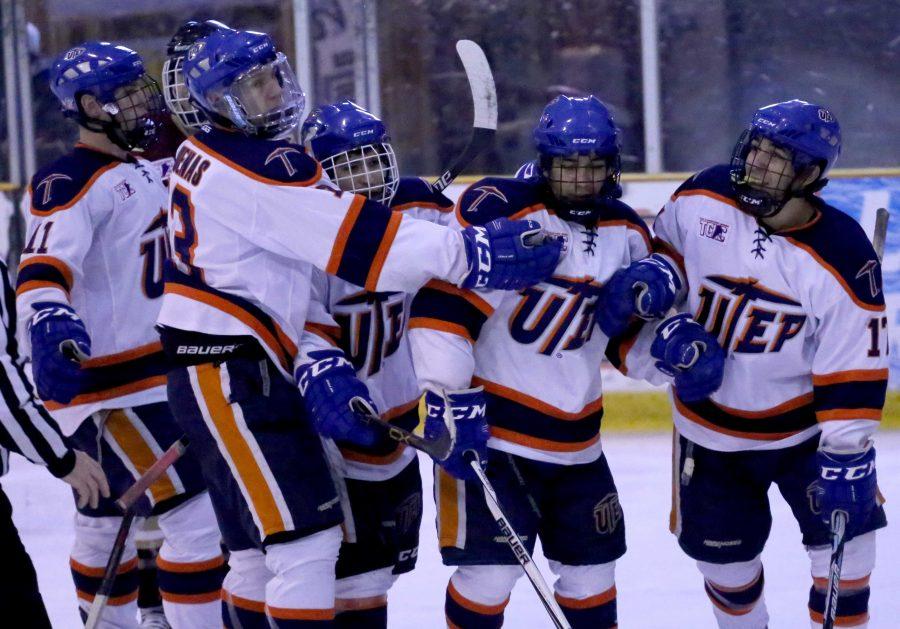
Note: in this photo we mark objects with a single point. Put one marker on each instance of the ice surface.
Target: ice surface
(658, 586)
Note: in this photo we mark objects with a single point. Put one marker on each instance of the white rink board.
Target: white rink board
(658, 586)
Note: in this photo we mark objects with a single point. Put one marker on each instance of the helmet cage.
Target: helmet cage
(177, 96)
(601, 186)
(353, 171)
(243, 101)
(134, 110)
(766, 185)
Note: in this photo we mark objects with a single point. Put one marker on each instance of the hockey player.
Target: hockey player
(532, 360)
(383, 482)
(791, 288)
(249, 213)
(89, 289)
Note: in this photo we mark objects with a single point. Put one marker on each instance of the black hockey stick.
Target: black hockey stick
(484, 102)
(838, 529)
(438, 449)
(126, 503)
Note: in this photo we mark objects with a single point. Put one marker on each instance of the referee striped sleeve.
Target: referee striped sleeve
(25, 426)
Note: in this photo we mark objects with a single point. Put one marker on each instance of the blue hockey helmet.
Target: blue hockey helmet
(129, 100)
(354, 148)
(174, 89)
(569, 128)
(239, 79)
(807, 135)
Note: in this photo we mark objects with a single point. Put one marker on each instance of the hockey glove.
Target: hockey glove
(848, 483)
(509, 255)
(327, 386)
(691, 355)
(647, 289)
(55, 328)
(462, 413)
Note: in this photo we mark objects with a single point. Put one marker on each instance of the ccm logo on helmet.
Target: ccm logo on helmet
(851, 473)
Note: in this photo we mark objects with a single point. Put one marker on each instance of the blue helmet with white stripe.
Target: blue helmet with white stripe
(354, 148)
(239, 79)
(128, 101)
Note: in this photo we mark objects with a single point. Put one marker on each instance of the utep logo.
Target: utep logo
(48, 182)
(868, 270)
(372, 325)
(746, 316)
(485, 192)
(73, 53)
(124, 189)
(713, 230)
(608, 514)
(825, 115)
(558, 314)
(282, 154)
(154, 249)
(196, 49)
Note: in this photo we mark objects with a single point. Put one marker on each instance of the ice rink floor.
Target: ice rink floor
(658, 586)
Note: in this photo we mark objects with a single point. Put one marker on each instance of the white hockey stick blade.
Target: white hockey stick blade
(481, 82)
(880, 234)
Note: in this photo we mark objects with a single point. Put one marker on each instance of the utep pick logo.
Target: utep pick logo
(486, 191)
(608, 514)
(868, 270)
(282, 154)
(48, 182)
(73, 53)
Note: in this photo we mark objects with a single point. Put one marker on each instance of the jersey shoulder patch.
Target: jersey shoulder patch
(495, 197)
(838, 243)
(715, 180)
(273, 162)
(60, 184)
(416, 192)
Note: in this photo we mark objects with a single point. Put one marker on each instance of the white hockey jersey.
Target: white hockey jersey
(371, 332)
(247, 219)
(96, 241)
(536, 352)
(799, 312)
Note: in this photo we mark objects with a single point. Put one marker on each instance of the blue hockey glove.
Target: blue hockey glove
(327, 386)
(691, 355)
(848, 483)
(646, 289)
(465, 419)
(58, 340)
(509, 255)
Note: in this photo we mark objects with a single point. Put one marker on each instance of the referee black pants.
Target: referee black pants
(19, 595)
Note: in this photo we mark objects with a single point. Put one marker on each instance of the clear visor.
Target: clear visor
(370, 170)
(577, 177)
(266, 100)
(177, 97)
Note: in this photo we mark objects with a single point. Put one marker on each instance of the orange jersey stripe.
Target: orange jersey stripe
(542, 444)
(526, 400)
(591, 601)
(478, 608)
(36, 284)
(108, 394)
(194, 566)
(56, 263)
(131, 354)
(470, 296)
(441, 326)
(849, 413)
(244, 603)
(249, 173)
(383, 248)
(90, 571)
(707, 193)
(340, 241)
(189, 599)
(222, 416)
(760, 436)
(448, 501)
(139, 453)
(852, 375)
(286, 613)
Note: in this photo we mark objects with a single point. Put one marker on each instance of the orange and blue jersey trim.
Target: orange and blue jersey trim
(852, 394)
(527, 421)
(43, 272)
(264, 326)
(385, 451)
(116, 375)
(446, 308)
(779, 422)
(363, 242)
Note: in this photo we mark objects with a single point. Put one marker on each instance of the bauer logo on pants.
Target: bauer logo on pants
(608, 514)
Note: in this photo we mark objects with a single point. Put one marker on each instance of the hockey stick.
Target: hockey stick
(439, 450)
(838, 528)
(126, 503)
(484, 101)
(518, 548)
(880, 234)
